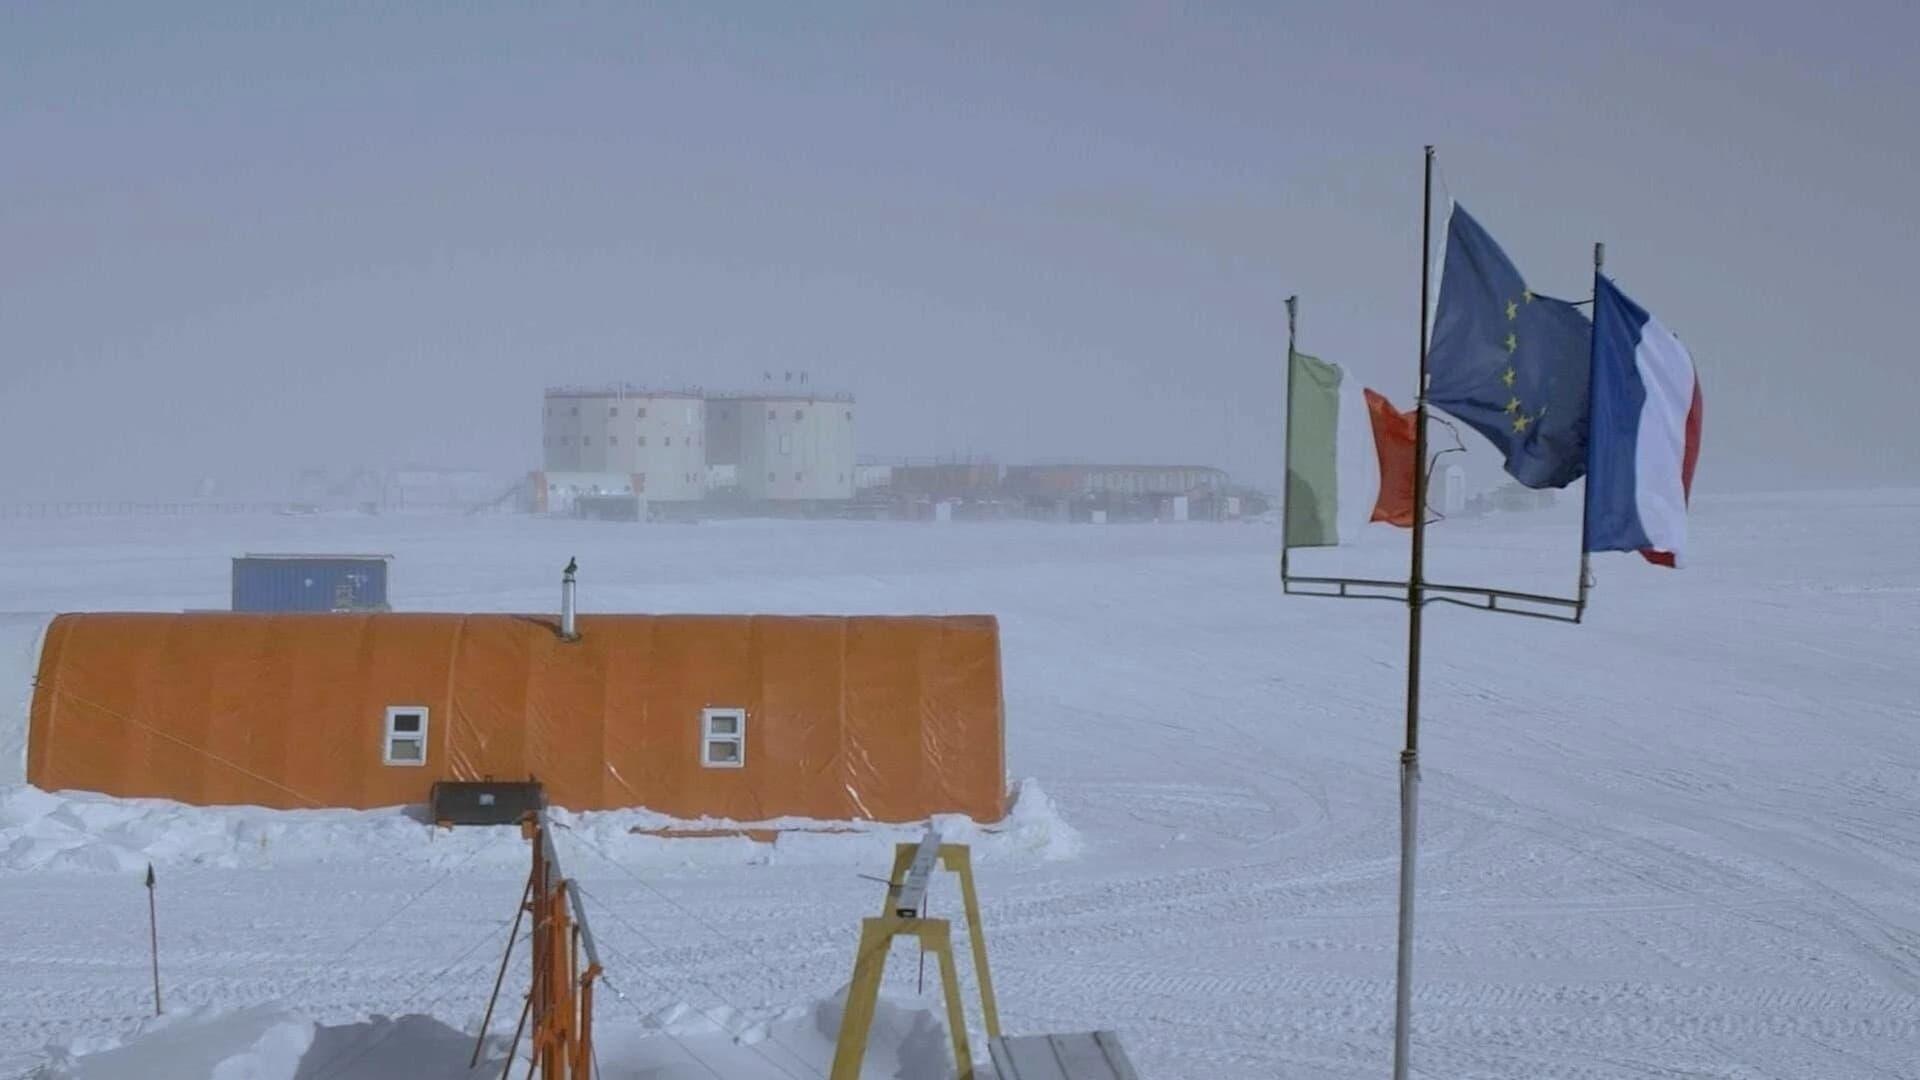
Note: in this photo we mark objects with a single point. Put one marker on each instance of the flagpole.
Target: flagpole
(1286, 453)
(1586, 486)
(1410, 756)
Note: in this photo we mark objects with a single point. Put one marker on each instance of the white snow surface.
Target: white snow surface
(275, 1041)
(1681, 840)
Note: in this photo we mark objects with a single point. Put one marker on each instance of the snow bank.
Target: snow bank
(908, 1040)
(270, 1042)
(84, 831)
(20, 640)
(278, 1042)
(1033, 830)
(263, 1041)
(42, 830)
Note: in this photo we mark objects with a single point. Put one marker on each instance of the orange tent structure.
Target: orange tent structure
(747, 718)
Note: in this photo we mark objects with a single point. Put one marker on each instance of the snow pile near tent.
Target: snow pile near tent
(20, 638)
(909, 1041)
(1032, 830)
(42, 830)
(278, 1042)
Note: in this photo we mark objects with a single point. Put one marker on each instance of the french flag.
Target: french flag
(1645, 438)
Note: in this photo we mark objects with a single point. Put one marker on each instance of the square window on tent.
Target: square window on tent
(723, 738)
(405, 741)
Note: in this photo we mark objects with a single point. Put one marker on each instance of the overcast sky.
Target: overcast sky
(236, 240)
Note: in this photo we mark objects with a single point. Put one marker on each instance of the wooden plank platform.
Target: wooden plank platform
(1088, 1055)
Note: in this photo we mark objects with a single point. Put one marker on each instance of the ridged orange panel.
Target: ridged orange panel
(959, 661)
(883, 718)
(881, 739)
(797, 725)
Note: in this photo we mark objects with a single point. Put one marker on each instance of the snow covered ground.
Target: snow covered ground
(1680, 840)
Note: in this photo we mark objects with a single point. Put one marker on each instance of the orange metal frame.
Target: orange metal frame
(560, 994)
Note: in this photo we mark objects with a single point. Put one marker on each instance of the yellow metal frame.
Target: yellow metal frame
(936, 936)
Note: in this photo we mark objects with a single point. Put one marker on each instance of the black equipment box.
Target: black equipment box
(485, 802)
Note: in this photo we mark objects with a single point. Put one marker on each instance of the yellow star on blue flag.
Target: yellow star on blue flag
(1508, 361)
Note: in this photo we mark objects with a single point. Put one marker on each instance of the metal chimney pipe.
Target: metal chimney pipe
(568, 630)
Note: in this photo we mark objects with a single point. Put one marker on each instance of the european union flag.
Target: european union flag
(1508, 361)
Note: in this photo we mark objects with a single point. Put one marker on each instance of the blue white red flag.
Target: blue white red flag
(1645, 436)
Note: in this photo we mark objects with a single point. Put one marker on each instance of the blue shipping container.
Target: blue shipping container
(310, 582)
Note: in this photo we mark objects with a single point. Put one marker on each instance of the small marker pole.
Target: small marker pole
(1286, 449)
(153, 937)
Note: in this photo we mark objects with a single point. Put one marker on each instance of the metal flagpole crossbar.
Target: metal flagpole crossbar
(1475, 597)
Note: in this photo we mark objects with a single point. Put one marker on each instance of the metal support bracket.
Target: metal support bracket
(1502, 601)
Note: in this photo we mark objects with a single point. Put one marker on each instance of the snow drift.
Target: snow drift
(42, 830)
(20, 639)
(278, 1041)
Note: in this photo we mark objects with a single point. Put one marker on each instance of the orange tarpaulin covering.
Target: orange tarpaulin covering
(880, 718)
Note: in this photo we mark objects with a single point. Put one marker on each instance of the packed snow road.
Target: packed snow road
(1682, 839)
